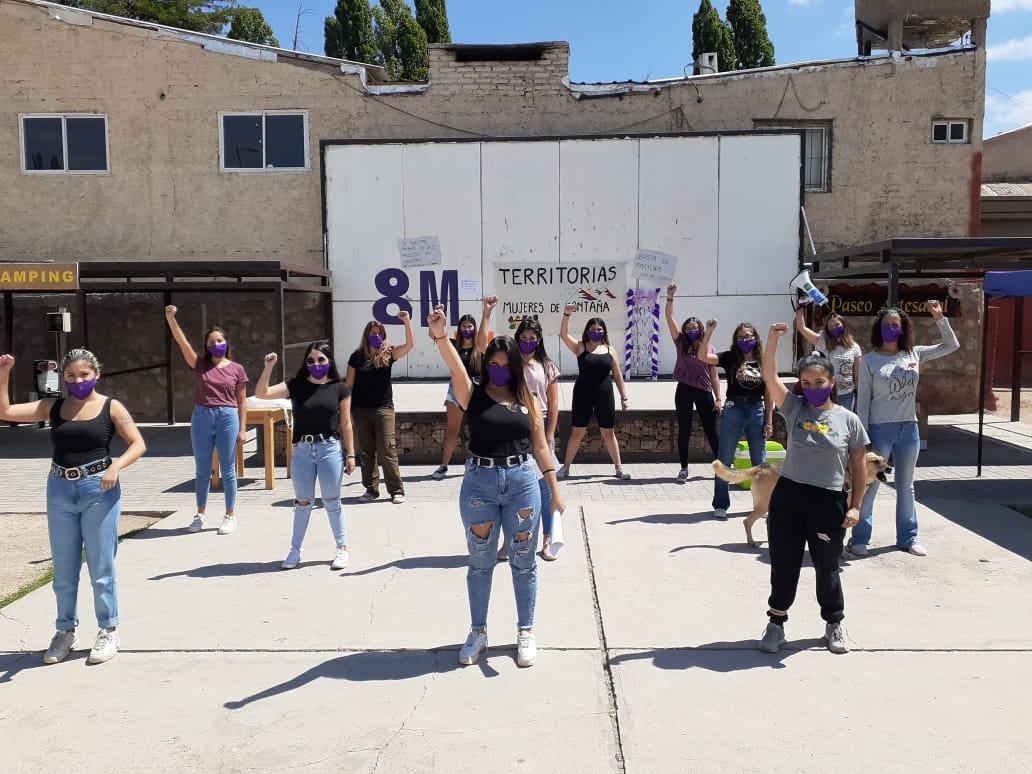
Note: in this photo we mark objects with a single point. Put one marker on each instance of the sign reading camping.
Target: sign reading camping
(39, 276)
(541, 290)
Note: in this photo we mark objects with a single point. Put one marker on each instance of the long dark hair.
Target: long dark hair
(905, 341)
(846, 340)
(318, 346)
(457, 338)
(595, 321)
(518, 384)
(229, 349)
(539, 354)
(687, 346)
(737, 358)
(820, 361)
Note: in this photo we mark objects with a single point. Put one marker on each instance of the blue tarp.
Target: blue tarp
(1008, 283)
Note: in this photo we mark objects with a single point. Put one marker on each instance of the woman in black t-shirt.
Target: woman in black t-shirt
(747, 410)
(470, 342)
(84, 496)
(372, 407)
(499, 493)
(323, 443)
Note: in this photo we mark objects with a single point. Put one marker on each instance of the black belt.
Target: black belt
(733, 399)
(499, 462)
(74, 474)
(318, 437)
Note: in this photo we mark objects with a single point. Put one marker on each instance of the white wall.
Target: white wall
(726, 206)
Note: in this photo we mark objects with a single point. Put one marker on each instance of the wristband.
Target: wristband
(565, 314)
(438, 338)
(550, 470)
(351, 457)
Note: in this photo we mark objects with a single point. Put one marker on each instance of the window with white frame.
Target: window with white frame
(264, 141)
(64, 143)
(816, 151)
(953, 132)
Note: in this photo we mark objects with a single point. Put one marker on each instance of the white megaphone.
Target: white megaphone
(807, 292)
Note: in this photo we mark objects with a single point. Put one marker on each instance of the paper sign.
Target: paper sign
(420, 251)
(654, 266)
(469, 288)
(540, 291)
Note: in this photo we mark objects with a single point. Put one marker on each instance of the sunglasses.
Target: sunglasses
(313, 361)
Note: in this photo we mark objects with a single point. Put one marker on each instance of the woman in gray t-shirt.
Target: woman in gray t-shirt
(825, 449)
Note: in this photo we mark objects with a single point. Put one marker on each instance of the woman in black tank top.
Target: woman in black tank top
(598, 367)
(84, 498)
(499, 493)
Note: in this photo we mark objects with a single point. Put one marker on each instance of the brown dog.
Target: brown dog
(764, 477)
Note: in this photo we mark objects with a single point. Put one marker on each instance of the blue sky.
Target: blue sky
(610, 42)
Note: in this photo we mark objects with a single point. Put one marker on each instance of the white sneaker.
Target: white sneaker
(368, 497)
(440, 473)
(228, 525)
(622, 474)
(562, 473)
(917, 549)
(476, 643)
(292, 560)
(526, 648)
(197, 524)
(835, 637)
(398, 499)
(105, 648)
(60, 646)
(857, 549)
(720, 513)
(340, 559)
(682, 475)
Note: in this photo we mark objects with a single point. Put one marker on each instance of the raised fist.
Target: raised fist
(271, 358)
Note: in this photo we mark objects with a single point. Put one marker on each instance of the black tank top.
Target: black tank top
(78, 442)
(496, 429)
(595, 372)
(466, 355)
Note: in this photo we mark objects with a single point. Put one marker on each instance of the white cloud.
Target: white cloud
(803, 2)
(1010, 50)
(1002, 6)
(1005, 113)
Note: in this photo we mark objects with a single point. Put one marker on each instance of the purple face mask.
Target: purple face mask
(693, 335)
(375, 341)
(891, 333)
(318, 370)
(528, 347)
(596, 336)
(747, 346)
(836, 330)
(81, 390)
(819, 396)
(467, 333)
(218, 350)
(499, 375)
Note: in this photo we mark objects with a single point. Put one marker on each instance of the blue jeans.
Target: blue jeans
(736, 420)
(847, 400)
(496, 496)
(901, 440)
(215, 427)
(322, 460)
(82, 515)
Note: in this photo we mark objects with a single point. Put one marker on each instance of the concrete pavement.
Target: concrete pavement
(647, 627)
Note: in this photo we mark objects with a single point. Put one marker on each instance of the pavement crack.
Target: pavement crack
(419, 701)
(25, 627)
(390, 578)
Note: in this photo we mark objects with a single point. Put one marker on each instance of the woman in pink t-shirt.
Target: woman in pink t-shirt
(698, 385)
(219, 418)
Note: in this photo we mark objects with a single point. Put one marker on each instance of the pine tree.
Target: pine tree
(749, 34)
(710, 34)
(209, 16)
(249, 24)
(401, 41)
(432, 16)
(349, 32)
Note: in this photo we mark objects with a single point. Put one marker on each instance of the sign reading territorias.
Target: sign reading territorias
(540, 291)
(39, 276)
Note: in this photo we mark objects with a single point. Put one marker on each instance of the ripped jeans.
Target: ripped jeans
(322, 460)
(497, 496)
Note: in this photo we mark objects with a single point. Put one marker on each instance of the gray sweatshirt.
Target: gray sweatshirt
(887, 384)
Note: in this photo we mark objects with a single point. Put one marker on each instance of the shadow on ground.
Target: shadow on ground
(719, 656)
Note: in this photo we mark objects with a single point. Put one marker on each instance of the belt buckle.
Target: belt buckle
(308, 438)
(68, 474)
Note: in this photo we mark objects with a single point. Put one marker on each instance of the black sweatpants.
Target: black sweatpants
(802, 515)
(685, 397)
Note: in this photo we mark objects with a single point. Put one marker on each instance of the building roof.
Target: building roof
(214, 43)
(1007, 189)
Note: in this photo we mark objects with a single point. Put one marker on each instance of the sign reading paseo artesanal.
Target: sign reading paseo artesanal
(867, 300)
(39, 276)
(541, 290)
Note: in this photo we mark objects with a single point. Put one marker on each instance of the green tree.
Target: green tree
(711, 34)
(749, 34)
(349, 32)
(209, 16)
(401, 42)
(432, 16)
(249, 24)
